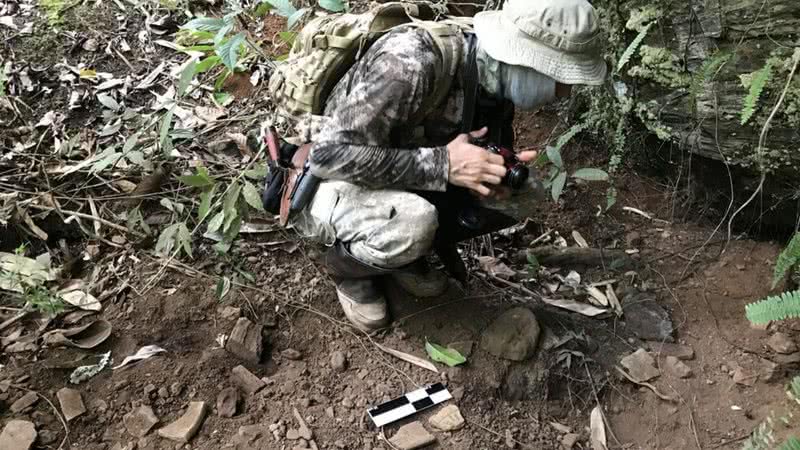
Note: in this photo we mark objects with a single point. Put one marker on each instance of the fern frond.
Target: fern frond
(779, 307)
(757, 85)
(794, 389)
(789, 258)
(569, 134)
(791, 444)
(708, 70)
(637, 41)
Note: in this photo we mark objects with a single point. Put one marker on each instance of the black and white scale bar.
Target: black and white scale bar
(408, 404)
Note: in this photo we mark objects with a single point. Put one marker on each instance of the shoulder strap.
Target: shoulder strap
(470, 82)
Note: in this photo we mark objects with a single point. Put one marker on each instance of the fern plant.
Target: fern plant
(787, 260)
(634, 45)
(779, 307)
(758, 82)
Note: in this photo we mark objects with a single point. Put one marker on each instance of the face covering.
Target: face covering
(523, 86)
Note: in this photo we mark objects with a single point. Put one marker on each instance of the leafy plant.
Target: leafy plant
(448, 356)
(763, 437)
(758, 81)
(779, 307)
(787, 260)
(557, 179)
(28, 278)
(634, 45)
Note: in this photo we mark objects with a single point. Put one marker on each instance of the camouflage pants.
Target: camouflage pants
(386, 228)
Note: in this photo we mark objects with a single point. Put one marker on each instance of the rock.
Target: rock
(18, 435)
(47, 437)
(677, 368)
(448, 419)
(304, 430)
(412, 436)
(175, 388)
(230, 312)
(246, 381)
(292, 354)
(245, 341)
(510, 442)
(71, 403)
(163, 392)
(770, 371)
(339, 361)
(569, 440)
(744, 377)
(149, 390)
(513, 336)
(647, 319)
(682, 352)
(781, 343)
(227, 400)
(787, 360)
(24, 402)
(183, 429)
(292, 434)
(140, 421)
(641, 366)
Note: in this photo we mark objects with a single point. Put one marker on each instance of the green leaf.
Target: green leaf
(282, 7)
(554, 155)
(443, 355)
(262, 9)
(222, 98)
(558, 186)
(216, 222)
(223, 287)
(569, 134)
(292, 20)
(229, 50)
(163, 135)
(108, 101)
(184, 238)
(332, 5)
(533, 263)
(258, 172)
(252, 196)
(131, 142)
(780, 307)
(589, 174)
(221, 34)
(757, 85)
(288, 37)
(201, 179)
(204, 24)
(229, 205)
(207, 64)
(637, 41)
(205, 202)
(166, 240)
(788, 258)
(186, 77)
(611, 197)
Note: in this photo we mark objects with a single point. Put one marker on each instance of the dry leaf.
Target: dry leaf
(597, 425)
(82, 300)
(597, 295)
(572, 305)
(579, 239)
(417, 361)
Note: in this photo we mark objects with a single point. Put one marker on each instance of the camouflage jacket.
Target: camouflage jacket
(367, 138)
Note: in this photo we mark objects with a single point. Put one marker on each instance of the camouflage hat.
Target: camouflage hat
(559, 38)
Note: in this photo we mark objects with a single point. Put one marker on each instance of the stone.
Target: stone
(682, 352)
(24, 402)
(339, 361)
(304, 431)
(787, 360)
(140, 421)
(291, 354)
(71, 403)
(770, 371)
(230, 312)
(448, 418)
(246, 381)
(513, 336)
(183, 429)
(163, 392)
(293, 434)
(569, 441)
(677, 368)
(744, 377)
(18, 435)
(227, 401)
(149, 390)
(412, 436)
(510, 442)
(641, 366)
(782, 343)
(463, 347)
(47, 437)
(646, 318)
(245, 341)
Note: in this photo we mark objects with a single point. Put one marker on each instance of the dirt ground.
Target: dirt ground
(736, 380)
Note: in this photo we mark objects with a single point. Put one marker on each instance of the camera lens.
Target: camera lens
(517, 176)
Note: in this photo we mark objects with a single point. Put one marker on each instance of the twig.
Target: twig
(762, 141)
(510, 284)
(87, 216)
(55, 411)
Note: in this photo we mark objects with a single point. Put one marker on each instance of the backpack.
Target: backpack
(328, 46)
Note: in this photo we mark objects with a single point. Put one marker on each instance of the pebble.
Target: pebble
(175, 388)
(183, 429)
(641, 366)
(569, 440)
(448, 418)
(744, 377)
(24, 402)
(513, 336)
(227, 400)
(18, 435)
(149, 390)
(510, 442)
(163, 392)
(782, 343)
(140, 421)
(71, 403)
(412, 436)
(677, 368)
(339, 361)
(680, 351)
(292, 354)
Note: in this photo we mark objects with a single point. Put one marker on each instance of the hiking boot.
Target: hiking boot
(421, 280)
(362, 303)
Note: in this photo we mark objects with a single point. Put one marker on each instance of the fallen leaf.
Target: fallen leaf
(597, 426)
(8, 21)
(145, 352)
(597, 295)
(579, 239)
(86, 337)
(572, 305)
(417, 361)
(82, 300)
(448, 356)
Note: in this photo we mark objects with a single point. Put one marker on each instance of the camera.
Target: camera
(517, 172)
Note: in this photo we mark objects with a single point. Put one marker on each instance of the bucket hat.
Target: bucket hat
(559, 38)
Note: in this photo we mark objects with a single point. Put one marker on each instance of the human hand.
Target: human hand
(472, 166)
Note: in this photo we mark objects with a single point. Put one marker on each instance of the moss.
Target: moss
(661, 66)
(641, 17)
(52, 10)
